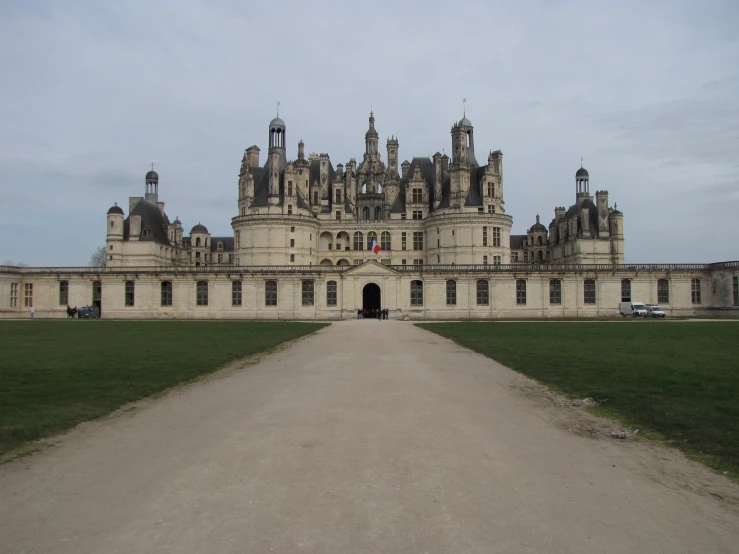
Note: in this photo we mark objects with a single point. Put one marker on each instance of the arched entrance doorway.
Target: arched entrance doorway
(371, 298)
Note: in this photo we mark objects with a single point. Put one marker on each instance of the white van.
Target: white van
(634, 309)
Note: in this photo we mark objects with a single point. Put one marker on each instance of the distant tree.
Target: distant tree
(16, 264)
(98, 257)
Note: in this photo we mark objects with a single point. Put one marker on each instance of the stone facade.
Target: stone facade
(426, 238)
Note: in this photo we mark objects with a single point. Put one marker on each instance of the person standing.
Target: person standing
(33, 311)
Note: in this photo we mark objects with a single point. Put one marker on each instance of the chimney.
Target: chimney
(404, 169)
(301, 150)
(252, 156)
(160, 205)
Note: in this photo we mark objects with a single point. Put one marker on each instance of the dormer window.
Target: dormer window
(220, 245)
(145, 233)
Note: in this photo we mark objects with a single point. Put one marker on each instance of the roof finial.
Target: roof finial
(615, 206)
(278, 109)
(580, 163)
(152, 166)
(464, 108)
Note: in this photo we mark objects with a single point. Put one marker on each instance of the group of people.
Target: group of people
(373, 313)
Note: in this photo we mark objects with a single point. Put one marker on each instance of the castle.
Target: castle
(425, 239)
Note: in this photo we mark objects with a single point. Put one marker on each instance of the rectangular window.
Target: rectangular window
(417, 240)
(28, 297)
(358, 240)
(496, 260)
(418, 261)
(555, 291)
(417, 196)
(386, 261)
(357, 261)
(404, 262)
(385, 242)
(416, 293)
(63, 293)
(220, 258)
(13, 295)
(451, 293)
(236, 293)
(166, 293)
(270, 293)
(484, 260)
(735, 289)
(525, 256)
(307, 290)
(589, 291)
(663, 291)
(292, 229)
(417, 214)
(483, 293)
(403, 236)
(491, 189)
(514, 256)
(484, 236)
(289, 188)
(695, 291)
(338, 216)
(292, 243)
(402, 216)
(496, 236)
(230, 258)
(521, 291)
(289, 209)
(292, 258)
(129, 293)
(625, 290)
(338, 196)
(331, 293)
(201, 293)
(491, 209)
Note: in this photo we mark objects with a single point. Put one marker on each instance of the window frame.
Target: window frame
(270, 293)
(130, 294)
(236, 292)
(358, 241)
(589, 293)
(520, 292)
(418, 240)
(331, 293)
(451, 292)
(625, 290)
(201, 293)
(663, 291)
(483, 292)
(695, 291)
(555, 291)
(308, 292)
(28, 295)
(496, 236)
(166, 293)
(416, 293)
(386, 241)
(64, 293)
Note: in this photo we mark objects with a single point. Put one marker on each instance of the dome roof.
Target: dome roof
(115, 210)
(199, 229)
(582, 172)
(276, 122)
(538, 227)
(152, 175)
(464, 122)
(177, 221)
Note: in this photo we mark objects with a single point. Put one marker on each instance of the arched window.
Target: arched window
(451, 293)
(365, 212)
(166, 289)
(378, 212)
(416, 293)
(197, 242)
(201, 293)
(371, 236)
(539, 239)
(540, 255)
(483, 292)
(358, 240)
(386, 242)
(331, 293)
(625, 290)
(270, 293)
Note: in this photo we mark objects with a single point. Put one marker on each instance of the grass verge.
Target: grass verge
(678, 380)
(56, 374)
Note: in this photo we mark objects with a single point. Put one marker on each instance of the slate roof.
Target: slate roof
(152, 219)
(228, 244)
(517, 242)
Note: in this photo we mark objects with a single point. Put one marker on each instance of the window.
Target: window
(63, 293)
(589, 291)
(491, 189)
(520, 291)
(663, 291)
(735, 289)
(230, 258)
(451, 293)
(292, 229)
(484, 236)
(331, 293)
(417, 196)
(404, 262)
(371, 236)
(338, 196)
(403, 240)
(166, 288)
(236, 293)
(289, 209)
(357, 261)
(386, 261)
(201, 293)
(403, 216)
(416, 293)
(111, 247)
(358, 240)
(386, 243)
(292, 243)
(483, 293)
(129, 293)
(338, 215)
(13, 295)
(197, 242)
(496, 236)
(292, 258)
(417, 214)
(270, 293)
(220, 258)
(417, 240)
(695, 291)
(418, 261)
(525, 256)
(307, 293)
(365, 212)
(555, 291)
(514, 256)
(484, 260)
(28, 296)
(315, 197)
(289, 188)
(491, 209)
(220, 246)
(625, 290)
(378, 212)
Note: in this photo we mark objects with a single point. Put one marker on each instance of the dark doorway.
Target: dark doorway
(371, 299)
(97, 298)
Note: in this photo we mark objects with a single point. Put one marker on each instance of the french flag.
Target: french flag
(375, 247)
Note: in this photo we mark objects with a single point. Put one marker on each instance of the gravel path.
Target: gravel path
(366, 437)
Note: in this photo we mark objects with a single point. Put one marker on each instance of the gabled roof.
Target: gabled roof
(152, 220)
(371, 268)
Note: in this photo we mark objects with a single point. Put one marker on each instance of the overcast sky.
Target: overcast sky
(92, 92)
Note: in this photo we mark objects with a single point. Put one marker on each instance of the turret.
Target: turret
(582, 184)
(301, 150)
(463, 143)
(152, 186)
(371, 139)
(392, 157)
(114, 239)
(437, 179)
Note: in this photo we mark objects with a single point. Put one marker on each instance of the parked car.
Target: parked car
(655, 311)
(633, 309)
(88, 312)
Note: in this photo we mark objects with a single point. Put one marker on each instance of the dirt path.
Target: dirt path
(367, 437)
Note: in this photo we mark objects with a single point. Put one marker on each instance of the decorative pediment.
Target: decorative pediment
(371, 268)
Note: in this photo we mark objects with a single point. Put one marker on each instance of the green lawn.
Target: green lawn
(55, 374)
(680, 380)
